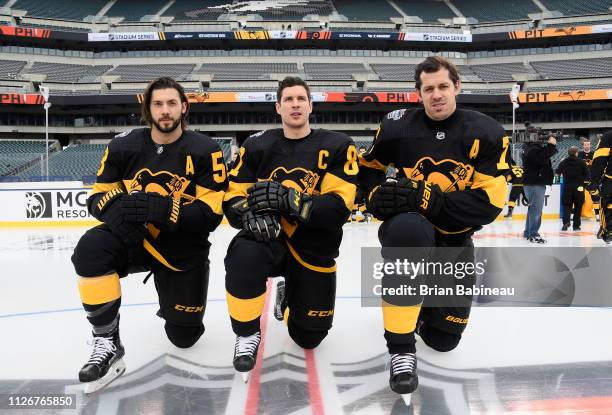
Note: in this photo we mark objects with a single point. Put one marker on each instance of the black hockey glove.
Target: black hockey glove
(406, 195)
(144, 207)
(108, 210)
(263, 226)
(270, 196)
(593, 188)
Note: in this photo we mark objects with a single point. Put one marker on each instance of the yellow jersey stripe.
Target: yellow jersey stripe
(334, 184)
(307, 265)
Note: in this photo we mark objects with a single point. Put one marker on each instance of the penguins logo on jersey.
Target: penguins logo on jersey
(163, 183)
(297, 178)
(450, 175)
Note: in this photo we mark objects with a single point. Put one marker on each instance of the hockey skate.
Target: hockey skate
(105, 364)
(403, 378)
(509, 214)
(245, 354)
(279, 303)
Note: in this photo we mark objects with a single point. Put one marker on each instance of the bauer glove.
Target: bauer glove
(153, 208)
(406, 195)
(108, 210)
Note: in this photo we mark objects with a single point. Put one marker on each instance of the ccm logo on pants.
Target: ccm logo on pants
(186, 309)
(317, 313)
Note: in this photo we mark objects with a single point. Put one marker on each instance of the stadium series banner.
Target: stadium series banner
(124, 36)
(279, 35)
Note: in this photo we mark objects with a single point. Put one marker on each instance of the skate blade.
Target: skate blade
(245, 376)
(117, 369)
(407, 398)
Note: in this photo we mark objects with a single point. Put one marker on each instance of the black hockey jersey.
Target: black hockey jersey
(191, 169)
(323, 164)
(515, 175)
(467, 155)
(587, 157)
(601, 168)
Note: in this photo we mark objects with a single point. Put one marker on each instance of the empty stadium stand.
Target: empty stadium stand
(133, 11)
(333, 71)
(253, 71)
(366, 10)
(17, 153)
(11, 69)
(578, 7)
(496, 11)
(428, 11)
(568, 69)
(146, 73)
(60, 9)
(195, 10)
(59, 72)
(500, 72)
(394, 72)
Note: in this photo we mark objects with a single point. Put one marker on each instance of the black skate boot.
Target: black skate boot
(509, 214)
(403, 378)
(245, 353)
(105, 364)
(279, 303)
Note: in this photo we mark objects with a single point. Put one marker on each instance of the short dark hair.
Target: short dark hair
(288, 82)
(572, 151)
(434, 64)
(165, 82)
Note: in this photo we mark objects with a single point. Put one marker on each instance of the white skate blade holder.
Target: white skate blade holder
(117, 369)
(407, 398)
(245, 376)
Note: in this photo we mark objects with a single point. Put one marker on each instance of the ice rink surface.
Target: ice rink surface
(511, 360)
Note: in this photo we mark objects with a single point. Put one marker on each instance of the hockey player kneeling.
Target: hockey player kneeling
(291, 190)
(158, 192)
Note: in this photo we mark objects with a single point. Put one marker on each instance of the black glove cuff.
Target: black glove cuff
(106, 201)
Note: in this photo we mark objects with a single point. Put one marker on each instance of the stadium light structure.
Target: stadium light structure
(44, 91)
(514, 92)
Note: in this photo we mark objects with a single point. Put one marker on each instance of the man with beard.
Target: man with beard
(291, 189)
(450, 182)
(159, 193)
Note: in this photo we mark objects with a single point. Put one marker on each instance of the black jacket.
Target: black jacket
(574, 171)
(537, 168)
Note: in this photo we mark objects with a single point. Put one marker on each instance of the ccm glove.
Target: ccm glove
(144, 207)
(108, 210)
(270, 196)
(406, 195)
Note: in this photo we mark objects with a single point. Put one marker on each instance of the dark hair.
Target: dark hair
(165, 82)
(288, 82)
(572, 151)
(434, 64)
